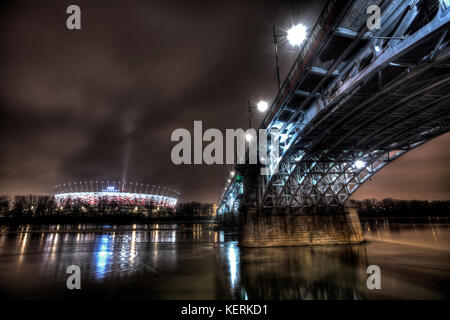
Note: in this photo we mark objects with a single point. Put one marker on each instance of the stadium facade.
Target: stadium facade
(95, 193)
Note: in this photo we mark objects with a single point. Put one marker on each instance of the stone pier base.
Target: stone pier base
(283, 230)
(229, 219)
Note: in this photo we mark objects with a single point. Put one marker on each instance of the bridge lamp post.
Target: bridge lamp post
(261, 106)
(295, 36)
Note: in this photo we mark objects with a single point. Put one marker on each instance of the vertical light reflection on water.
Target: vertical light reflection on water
(2, 240)
(48, 245)
(232, 254)
(102, 256)
(133, 246)
(54, 247)
(22, 245)
(433, 232)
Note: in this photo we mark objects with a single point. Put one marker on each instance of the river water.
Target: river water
(201, 261)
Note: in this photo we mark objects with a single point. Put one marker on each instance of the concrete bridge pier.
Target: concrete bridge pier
(282, 227)
(318, 226)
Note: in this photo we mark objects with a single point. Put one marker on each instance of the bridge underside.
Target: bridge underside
(365, 132)
(354, 101)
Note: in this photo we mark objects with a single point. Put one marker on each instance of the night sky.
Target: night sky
(102, 102)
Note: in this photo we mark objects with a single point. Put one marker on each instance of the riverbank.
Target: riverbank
(177, 219)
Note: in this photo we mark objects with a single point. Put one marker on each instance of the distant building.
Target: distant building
(137, 196)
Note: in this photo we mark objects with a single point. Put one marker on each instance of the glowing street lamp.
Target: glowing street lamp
(262, 107)
(295, 36)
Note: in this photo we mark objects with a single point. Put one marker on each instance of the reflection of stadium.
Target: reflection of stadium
(94, 193)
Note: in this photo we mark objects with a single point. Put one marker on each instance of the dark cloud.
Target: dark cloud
(77, 105)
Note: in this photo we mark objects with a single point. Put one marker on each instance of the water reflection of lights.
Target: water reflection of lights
(22, 243)
(102, 256)
(196, 232)
(133, 246)
(55, 242)
(233, 263)
(2, 241)
(427, 234)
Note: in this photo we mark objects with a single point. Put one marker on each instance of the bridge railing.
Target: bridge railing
(299, 63)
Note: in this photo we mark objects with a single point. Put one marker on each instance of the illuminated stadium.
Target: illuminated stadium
(95, 193)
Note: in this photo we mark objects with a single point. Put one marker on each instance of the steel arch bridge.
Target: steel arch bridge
(354, 100)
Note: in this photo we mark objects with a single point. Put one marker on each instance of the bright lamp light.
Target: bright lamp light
(262, 106)
(359, 164)
(296, 35)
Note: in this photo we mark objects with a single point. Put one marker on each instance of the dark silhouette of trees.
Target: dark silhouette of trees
(195, 209)
(401, 208)
(35, 206)
(4, 204)
(41, 206)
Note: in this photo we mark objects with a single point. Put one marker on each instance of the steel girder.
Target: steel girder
(315, 176)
